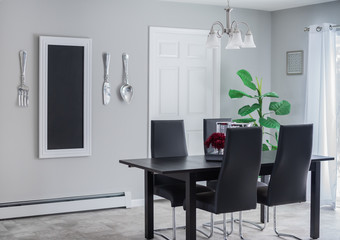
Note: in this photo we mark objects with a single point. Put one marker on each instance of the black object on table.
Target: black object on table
(195, 168)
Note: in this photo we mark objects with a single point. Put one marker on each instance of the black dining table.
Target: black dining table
(191, 169)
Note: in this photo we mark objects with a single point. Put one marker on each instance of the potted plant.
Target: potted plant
(264, 118)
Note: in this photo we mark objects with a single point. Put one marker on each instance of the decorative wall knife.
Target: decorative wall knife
(106, 85)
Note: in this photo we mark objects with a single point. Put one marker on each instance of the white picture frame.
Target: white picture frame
(294, 62)
(49, 51)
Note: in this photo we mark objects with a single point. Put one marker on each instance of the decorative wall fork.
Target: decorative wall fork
(23, 89)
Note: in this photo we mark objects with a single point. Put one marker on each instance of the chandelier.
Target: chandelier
(232, 30)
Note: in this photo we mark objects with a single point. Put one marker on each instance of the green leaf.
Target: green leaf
(237, 94)
(269, 123)
(244, 120)
(246, 79)
(245, 110)
(265, 147)
(274, 147)
(280, 108)
(270, 94)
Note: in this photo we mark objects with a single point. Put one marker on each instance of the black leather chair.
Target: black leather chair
(168, 140)
(289, 176)
(237, 181)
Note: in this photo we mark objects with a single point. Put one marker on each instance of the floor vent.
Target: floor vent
(64, 205)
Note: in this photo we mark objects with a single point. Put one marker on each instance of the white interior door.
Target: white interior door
(184, 80)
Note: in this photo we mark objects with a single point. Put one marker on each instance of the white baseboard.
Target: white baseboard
(137, 202)
(140, 202)
(65, 206)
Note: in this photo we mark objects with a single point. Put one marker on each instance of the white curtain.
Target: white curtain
(321, 104)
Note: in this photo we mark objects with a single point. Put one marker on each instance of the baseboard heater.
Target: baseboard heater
(64, 205)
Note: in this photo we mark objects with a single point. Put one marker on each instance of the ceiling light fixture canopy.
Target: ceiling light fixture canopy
(235, 36)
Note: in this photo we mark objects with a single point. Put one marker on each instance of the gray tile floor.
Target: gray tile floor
(116, 224)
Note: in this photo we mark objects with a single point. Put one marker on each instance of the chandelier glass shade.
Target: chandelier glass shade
(213, 40)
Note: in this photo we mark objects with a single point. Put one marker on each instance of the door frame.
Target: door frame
(216, 68)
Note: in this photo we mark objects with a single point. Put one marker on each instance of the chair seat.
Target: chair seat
(175, 193)
(206, 201)
(262, 189)
(262, 193)
(264, 198)
(212, 184)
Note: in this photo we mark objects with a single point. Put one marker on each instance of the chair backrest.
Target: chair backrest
(236, 186)
(209, 127)
(168, 139)
(288, 180)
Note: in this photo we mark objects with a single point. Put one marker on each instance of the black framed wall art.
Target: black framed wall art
(64, 97)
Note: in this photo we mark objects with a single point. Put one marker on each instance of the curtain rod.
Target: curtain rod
(319, 28)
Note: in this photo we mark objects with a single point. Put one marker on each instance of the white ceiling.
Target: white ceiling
(267, 5)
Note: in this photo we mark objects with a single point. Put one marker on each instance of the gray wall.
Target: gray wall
(288, 34)
(119, 130)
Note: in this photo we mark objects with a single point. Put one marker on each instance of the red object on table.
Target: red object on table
(216, 140)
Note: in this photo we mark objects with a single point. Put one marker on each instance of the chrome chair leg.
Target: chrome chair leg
(173, 223)
(240, 226)
(282, 234)
(225, 232)
(231, 224)
(221, 222)
(211, 224)
(261, 228)
(224, 227)
(157, 231)
(161, 235)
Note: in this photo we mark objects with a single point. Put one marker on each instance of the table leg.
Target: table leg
(264, 179)
(148, 204)
(315, 201)
(190, 196)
